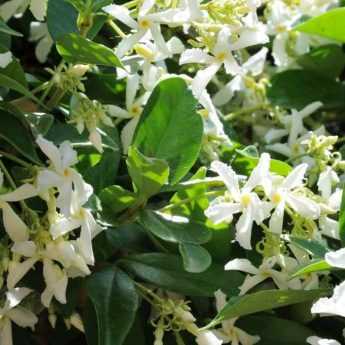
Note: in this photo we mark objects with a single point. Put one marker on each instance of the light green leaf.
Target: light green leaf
(315, 266)
(196, 259)
(174, 229)
(329, 24)
(286, 90)
(115, 302)
(148, 174)
(167, 271)
(262, 301)
(170, 127)
(77, 49)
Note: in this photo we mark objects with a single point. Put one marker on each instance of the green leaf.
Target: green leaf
(167, 271)
(77, 49)
(312, 247)
(147, 174)
(262, 301)
(114, 200)
(115, 302)
(61, 18)
(14, 70)
(285, 90)
(170, 128)
(174, 229)
(329, 24)
(314, 266)
(7, 30)
(13, 131)
(273, 330)
(196, 259)
(40, 122)
(342, 218)
(328, 60)
(13, 84)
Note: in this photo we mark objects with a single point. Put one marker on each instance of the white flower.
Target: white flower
(229, 333)
(5, 59)
(334, 305)
(60, 175)
(243, 200)
(319, 341)
(207, 338)
(13, 312)
(294, 129)
(284, 194)
(39, 33)
(145, 24)
(336, 258)
(221, 55)
(258, 275)
(14, 226)
(327, 179)
(253, 66)
(37, 7)
(133, 110)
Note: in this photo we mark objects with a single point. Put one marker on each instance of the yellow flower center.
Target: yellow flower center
(276, 198)
(220, 56)
(66, 172)
(144, 24)
(246, 200)
(136, 110)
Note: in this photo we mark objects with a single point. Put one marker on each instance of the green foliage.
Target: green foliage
(115, 302)
(77, 49)
(329, 24)
(170, 110)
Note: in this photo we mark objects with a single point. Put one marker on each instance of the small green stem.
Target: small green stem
(232, 116)
(15, 159)
(112, 24)
(179, 339)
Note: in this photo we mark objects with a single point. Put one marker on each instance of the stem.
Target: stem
(7, 175)
(51, 81)
(147, 291)
(179, 339)
(232, 116)
(15, 159)
(112, 24)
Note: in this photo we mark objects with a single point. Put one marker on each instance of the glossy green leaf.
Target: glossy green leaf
(196, 259)
(342, 218)
(61, 18)
(77, 49)
(262, 301)
(114, 200)
(286, 90)
(170, 127)
(167, 271)
(313, 266)
(328, 60)
(148, 174)
(174, 229)
(115, 302)
(273, 330)
(40, 122)
(330, 25)
(14, 132)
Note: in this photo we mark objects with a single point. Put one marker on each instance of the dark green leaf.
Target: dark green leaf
(328, 60)
(174, 229)
(115, 302)
(312, 247)
(61, 18)
(148, 174)
(13, 131)
(170, 127)
(329, 24)
(167, 272)
(262, 301)
(77, 49)
(40, 122)
(298, 88)
(196, 259)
